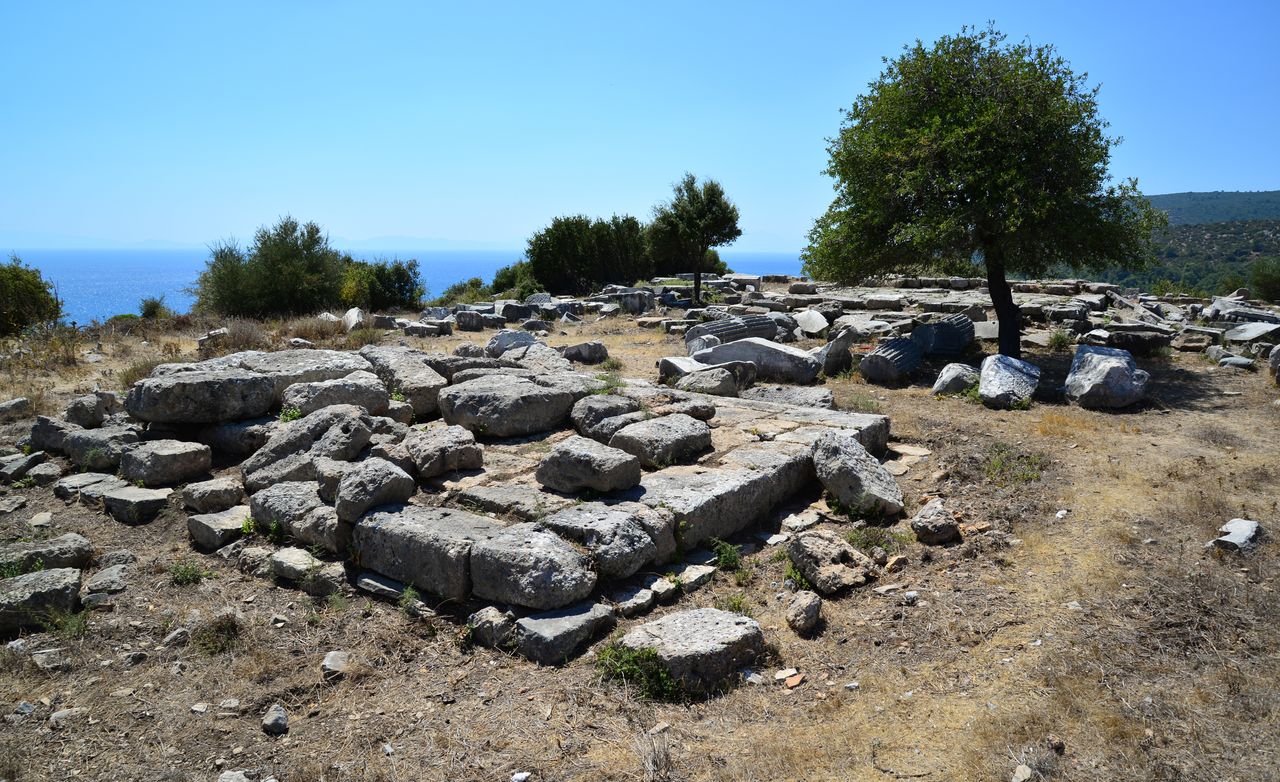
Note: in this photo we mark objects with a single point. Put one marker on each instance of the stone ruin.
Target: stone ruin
(546, 498)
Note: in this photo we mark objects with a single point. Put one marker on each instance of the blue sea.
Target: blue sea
(96, 284)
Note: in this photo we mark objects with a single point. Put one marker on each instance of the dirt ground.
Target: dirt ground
(1101, 643)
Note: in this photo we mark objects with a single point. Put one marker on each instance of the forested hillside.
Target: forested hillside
(1219, 207)
(1208, 259)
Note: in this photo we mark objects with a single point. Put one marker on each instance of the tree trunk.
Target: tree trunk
(697, 278)
(1007, 312)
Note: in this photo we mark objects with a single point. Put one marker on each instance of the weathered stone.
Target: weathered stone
(99, 450)
(49, 434)
(165, 462)
(934, 525)
(14, 409)
(337, 432)
(854, 476)
(133, 505)
(68, 488)
(1007, 383)
(587, 352)
(1237, 535)
(507, 339)
(715, 381)
(492, 627)
(372, 483)
(552, 637)
(293, 564)
(700, 648)
(528, 566)
(276, 721)
(429, 548)
(804, 612)
(518, 500)
(794, 396)
(284, 504)
(212, 496)
(811, 323)
(828, 562)
(362, 389)
(444, 449)
(578, 463)
(90, 410)
(110, 580)
(28, 599)
(588, 413)
(201, 397)
(892, 361)
(716, 502)
(44, 474)
(955, 379)
(15, 467)
(632, 599)
(65, 551)
(212, 531)
(773, 361)
(834, 356)
(1105, 378)
(407, 372)
(669, 439)
(238, 439)
(614, 536)
(497, 406)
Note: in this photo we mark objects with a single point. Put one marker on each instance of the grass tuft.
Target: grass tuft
(638, 668)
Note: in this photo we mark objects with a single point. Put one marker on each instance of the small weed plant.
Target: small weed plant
(186, 573)
(1007, 467)
(727, 555)
(290, 414)
(794, 575)
(638, 668)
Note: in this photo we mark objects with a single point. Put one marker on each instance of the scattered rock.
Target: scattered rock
(444, 449)
(212, 531)
(499, 406)
(372, 483)
(212, 496)
(165, 462)
(701, 648)
(854, 476)
(66, 551)
(828, 562)
(26, 598)
(1238, 535)
(335, 665)
(804, 611)
(579, 463)
(276, 721)
(934, 525)
(955, 379)
(1007, 383)
(552, 637)
(132, 505)
(659, 442)
(529, 566)
(1105, 378)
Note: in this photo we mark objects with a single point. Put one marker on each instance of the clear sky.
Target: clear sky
(127, 123)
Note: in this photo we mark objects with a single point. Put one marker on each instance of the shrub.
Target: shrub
(1264, 278)
(290, 269)
(727, 555)
(794, 575)
(138, 370)
(26, 298)
(1059, 341)
(288, 414)
(1007, 467)
(315, 329)
(382, 285)
(515, 281)
(220, 634)
(186, 573)
(152, 308)
(66, 624)
(464, 292)
(575, 254)
(361, 337)
(639, 668)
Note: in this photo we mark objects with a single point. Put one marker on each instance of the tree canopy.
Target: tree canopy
(698, 217)
(26, 298)
(974, 151)
(291, 269)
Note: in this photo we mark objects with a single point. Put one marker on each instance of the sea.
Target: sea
(97, 284)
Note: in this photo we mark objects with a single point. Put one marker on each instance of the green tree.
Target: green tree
(289, 270)
(26, 298)
(976, 152)
(1264, 278)
(698, 217)
(576, 253)
(382, 285)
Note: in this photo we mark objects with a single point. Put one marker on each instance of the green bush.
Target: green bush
(152, 308)
(576, 254)
(515, 281)
(465, 292)
(1264, 279)
(290, 269)
(641, 668)
(26, 298)
(382, 285)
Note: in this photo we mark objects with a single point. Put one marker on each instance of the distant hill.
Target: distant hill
(1218, 207)
(1208, 258)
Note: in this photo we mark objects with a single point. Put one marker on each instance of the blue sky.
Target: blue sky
(473, 124)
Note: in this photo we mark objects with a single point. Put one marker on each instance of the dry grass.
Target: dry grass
(1066, 424)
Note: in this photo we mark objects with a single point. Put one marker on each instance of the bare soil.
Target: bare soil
(1105, 644)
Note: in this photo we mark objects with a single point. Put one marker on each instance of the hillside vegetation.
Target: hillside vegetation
(1208, 259)
(1218, 207)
